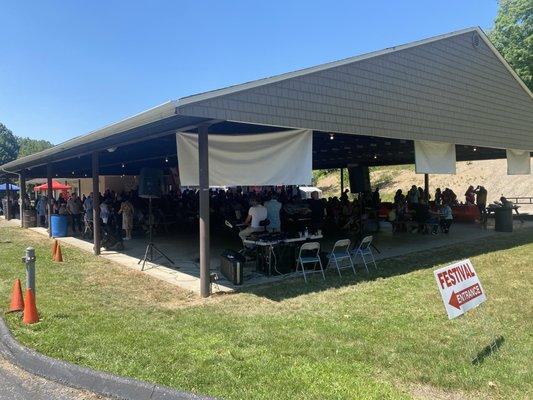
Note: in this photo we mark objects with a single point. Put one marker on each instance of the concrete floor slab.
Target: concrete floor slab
(183, 249)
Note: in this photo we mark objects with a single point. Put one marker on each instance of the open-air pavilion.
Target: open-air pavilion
(373, 109)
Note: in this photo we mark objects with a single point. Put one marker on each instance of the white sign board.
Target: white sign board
(459, 287)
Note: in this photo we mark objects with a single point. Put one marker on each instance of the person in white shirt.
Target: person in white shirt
(256, 214)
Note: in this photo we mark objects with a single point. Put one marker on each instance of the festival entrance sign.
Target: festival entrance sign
(459, 287)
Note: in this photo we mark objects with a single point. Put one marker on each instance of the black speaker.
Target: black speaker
(150, 183)
(359, 178)
(232, 266)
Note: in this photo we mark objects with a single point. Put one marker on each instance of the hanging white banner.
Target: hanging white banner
(265, 159)
(518, 162)
(434, 157)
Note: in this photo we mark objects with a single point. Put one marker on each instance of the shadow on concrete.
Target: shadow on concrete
(393, 266)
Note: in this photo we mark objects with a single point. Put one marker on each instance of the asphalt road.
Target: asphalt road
(16, 384)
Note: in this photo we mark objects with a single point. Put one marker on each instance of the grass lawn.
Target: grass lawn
(383, 337)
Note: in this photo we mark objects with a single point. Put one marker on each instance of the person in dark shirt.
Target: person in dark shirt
(317, 211)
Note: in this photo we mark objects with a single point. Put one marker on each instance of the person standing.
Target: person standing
(318, 212)
(127, 211)
(74, 209)
(273, 207)
(412, 196)
(470, 195)
(88, 207)
(41, 210)
(481, 199)
(438, 197)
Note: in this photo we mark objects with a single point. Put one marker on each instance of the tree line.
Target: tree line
(13, 147)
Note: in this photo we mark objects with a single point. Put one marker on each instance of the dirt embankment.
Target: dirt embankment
(491, 173)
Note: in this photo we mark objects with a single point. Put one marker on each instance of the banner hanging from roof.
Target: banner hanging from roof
(434, 157)
(275, 158)
(518, 162)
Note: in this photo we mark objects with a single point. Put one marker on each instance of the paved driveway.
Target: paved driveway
(18, 384)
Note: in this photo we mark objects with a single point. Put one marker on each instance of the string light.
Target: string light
(166, 159)
(475, 149)
(331, 136)
(123, 166)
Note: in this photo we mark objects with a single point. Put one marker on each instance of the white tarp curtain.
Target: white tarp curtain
(275, 158)
(518, 162)
(434, 157)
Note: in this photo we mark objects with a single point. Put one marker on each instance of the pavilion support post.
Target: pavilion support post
(96, 203)
(49, 196)
(7, 211)
(22, 196)
(203, 160)
(426, 188)
(342, 181)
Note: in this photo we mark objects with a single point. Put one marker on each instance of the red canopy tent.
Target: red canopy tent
(55, 186)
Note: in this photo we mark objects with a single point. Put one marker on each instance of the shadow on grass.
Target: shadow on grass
(488, 350)
(392, 267)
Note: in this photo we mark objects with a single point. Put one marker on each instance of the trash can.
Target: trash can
(503, 219)
(29, 219)
(59, 225)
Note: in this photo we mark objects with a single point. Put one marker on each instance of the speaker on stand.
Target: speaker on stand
(150, 188)
(359, 176)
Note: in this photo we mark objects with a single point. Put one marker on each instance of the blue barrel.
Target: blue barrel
(59, 225)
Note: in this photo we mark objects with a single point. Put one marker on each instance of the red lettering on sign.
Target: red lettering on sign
(465, 295)
(441, 279)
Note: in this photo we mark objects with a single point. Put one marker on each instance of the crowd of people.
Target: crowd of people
(271, 209)
(116, 211)
(418, 206)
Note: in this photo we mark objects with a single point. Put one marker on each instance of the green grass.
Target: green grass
(386, 337)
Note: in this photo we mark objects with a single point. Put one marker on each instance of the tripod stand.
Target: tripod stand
(151, 247)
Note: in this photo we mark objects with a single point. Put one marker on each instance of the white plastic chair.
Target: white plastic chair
(363, 250)
(341, 253)
(312, 257)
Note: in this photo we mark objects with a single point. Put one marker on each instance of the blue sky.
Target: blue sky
(69, 67)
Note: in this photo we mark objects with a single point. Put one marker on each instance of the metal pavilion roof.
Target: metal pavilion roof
(148, 137)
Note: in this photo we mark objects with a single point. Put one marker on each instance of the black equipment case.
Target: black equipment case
(232, 266)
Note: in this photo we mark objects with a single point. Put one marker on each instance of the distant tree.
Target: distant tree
(9, 146)
(29, 146)
(513, 36)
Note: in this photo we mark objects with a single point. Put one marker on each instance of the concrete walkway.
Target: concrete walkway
(183, 250)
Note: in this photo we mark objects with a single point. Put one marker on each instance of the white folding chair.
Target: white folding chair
(340, 254)
(363, 250)
(310, 254)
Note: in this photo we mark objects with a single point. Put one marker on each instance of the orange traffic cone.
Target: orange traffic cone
(30, 309)
(54, 249)
(17, 302)
(58, 257)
